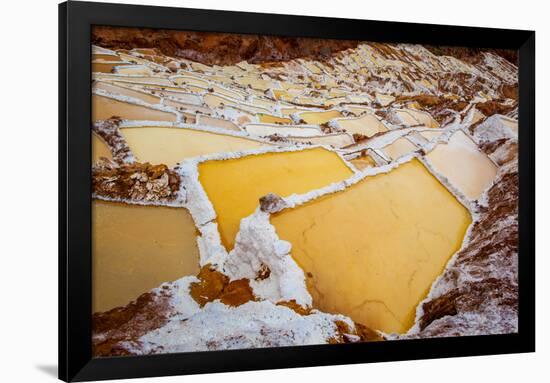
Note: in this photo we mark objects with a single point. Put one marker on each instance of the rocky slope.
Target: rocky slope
(478, 293)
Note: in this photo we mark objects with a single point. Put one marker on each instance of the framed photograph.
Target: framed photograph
(245, 191)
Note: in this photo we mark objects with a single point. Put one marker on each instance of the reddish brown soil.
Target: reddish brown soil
(489, 108)
(214, 285)
(218, 48)
(472, 55)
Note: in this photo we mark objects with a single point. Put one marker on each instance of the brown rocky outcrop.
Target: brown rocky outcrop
(113, 330)
(137, 182)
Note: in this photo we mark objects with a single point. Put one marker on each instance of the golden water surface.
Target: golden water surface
(137, 248)
(373, 250)
(105, 107)
(235, 186)
(169, 146)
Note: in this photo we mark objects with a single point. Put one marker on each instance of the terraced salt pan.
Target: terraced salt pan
(384, 99)
(463, 164)
(270, 119)
(288, 111)
(257, 83)
(373, 250)
(137, 248)
(234, 186)
(336, 140)
(182, 106)
(134, 70)
(128, 92)
(317, 118)
(423, 118)
(97, 57)
(181, 96)
(189, 80)
(283, 95)
(217, 123)
(214, 101)
(335, 101)
(399, 148)
(228, 92)
(171, 145)
(133, 79)
(431, 135)
(100, 149)
(406, 118)
(363, 161)
(367, 125)
(105, 66)
(262, 130)
(104, 108)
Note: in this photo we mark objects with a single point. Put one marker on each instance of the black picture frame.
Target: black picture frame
(75, 282)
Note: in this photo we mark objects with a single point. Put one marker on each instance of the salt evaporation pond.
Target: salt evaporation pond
(137, 248)
(234, 186)
(373, 250)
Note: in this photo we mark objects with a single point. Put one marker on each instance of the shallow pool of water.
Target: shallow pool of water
(106, 107)
(137, 248)
(373, 250)
(367, 125)
(235, 186)
(466, 167)
(169, 146)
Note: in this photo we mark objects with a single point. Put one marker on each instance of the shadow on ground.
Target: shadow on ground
(48, 369)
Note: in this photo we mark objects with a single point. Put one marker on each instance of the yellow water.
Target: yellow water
(269, 119)
(399, 148)
(161, 145)
(235, 186)
(367, 125)
(105, 107)
(373, 250)
(100, 149)
(466, 167)
(317, 118)
(137, 248)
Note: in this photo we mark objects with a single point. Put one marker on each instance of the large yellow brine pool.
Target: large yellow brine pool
(373, 250)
